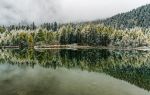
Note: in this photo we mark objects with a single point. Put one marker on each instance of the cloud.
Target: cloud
(40, 11)
(97, 9)
(27, 11)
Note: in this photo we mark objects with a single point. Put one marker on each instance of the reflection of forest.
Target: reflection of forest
(131, 66)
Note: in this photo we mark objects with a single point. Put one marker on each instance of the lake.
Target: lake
(74, 72)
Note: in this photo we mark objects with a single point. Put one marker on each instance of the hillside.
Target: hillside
(139, 17)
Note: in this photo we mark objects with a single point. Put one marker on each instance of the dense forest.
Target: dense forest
(82, 34)
(85, 34)
(139, 17)
(129, 29)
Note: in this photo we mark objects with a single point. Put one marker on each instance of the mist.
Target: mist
(40, 11)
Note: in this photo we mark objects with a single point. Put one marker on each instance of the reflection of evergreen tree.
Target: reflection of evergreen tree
(137, 76)
(132, 66)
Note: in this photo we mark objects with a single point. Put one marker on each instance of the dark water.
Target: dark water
(74, 72)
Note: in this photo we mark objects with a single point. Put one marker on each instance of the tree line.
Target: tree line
(80, 34)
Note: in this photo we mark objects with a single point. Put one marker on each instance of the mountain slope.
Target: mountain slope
(139, 17)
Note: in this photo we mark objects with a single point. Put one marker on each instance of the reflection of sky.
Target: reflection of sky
(17, 80)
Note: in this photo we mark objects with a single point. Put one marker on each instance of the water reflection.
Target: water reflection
(61, 81)
(131, 66)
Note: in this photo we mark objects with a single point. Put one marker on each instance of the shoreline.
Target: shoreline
(75, 47)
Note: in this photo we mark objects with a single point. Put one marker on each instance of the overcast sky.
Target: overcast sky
(40, 11)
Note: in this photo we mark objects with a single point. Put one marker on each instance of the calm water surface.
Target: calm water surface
(74, 72)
